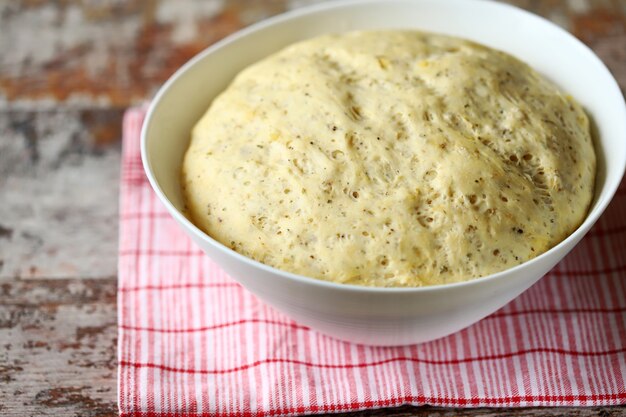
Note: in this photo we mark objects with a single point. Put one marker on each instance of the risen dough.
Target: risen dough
(390, 158)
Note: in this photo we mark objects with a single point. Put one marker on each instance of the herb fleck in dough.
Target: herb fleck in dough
(390, 158)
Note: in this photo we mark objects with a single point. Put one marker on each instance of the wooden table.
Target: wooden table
(68, 70)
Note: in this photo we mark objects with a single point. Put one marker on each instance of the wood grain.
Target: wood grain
(58, 347)
(59, 175)
(67, 70)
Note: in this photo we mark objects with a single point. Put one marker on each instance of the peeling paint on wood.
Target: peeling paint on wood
(84, 52)
(59, 174)
(67, 70)
(58, 347)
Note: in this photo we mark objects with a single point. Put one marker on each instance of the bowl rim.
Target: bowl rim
(608, 189)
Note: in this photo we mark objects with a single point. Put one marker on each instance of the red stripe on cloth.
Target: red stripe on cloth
(135, 216)
(559, 311)
(297, 326)
(436, 401)
(598, 232)
(180, 286)
(193, 342)
(160, 252)
(375, 363)
(593, 272)
(213, 327)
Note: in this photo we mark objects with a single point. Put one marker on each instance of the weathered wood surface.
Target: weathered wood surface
(67, 70)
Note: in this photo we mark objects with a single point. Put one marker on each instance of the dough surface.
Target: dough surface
(390, 158)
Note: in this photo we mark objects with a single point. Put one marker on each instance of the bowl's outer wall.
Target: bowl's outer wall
(384, 317)
(387, 318)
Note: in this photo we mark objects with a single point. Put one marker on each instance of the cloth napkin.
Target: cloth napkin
(193, 342)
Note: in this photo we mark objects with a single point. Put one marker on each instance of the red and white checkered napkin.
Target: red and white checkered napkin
(192, 342)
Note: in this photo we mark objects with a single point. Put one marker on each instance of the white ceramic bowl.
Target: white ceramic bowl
(383, 316)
